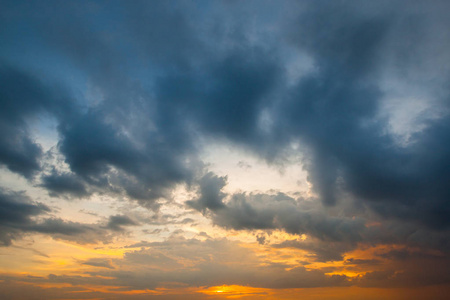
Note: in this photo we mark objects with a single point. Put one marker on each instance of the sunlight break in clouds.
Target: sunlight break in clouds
(224, 149)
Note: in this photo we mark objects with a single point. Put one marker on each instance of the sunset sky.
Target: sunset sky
(224, 150)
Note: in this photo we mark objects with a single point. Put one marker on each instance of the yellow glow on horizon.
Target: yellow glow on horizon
(235, 291)
(351, 274)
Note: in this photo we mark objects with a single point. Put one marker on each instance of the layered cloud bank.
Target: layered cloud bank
(108, 111)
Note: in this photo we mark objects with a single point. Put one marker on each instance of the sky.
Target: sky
(224, 149)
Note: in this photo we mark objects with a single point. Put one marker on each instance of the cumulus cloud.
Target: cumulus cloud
(331, 233)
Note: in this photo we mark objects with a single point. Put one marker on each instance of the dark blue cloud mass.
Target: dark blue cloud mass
(137, 88)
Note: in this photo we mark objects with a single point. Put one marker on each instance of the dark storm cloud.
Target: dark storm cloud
(145, 164)
(22, 97)
(335, 112)
(132, 141)
(232, 99)
(122, 144)
(166, 77)
(65, 183)
(335, 109)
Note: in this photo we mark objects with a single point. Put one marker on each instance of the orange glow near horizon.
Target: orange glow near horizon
(235, 291)
(245, 292)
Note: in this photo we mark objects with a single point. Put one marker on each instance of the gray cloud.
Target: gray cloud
(335, 112)
(19, 215)
(23, 97)
(65, 183)
(166, 78)
(98, 262)
(331, 232)
(16, 213)
(412, 272)
(163, 261)
(265, 211)
(211, 195)
(117, 222)
(192, 262)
